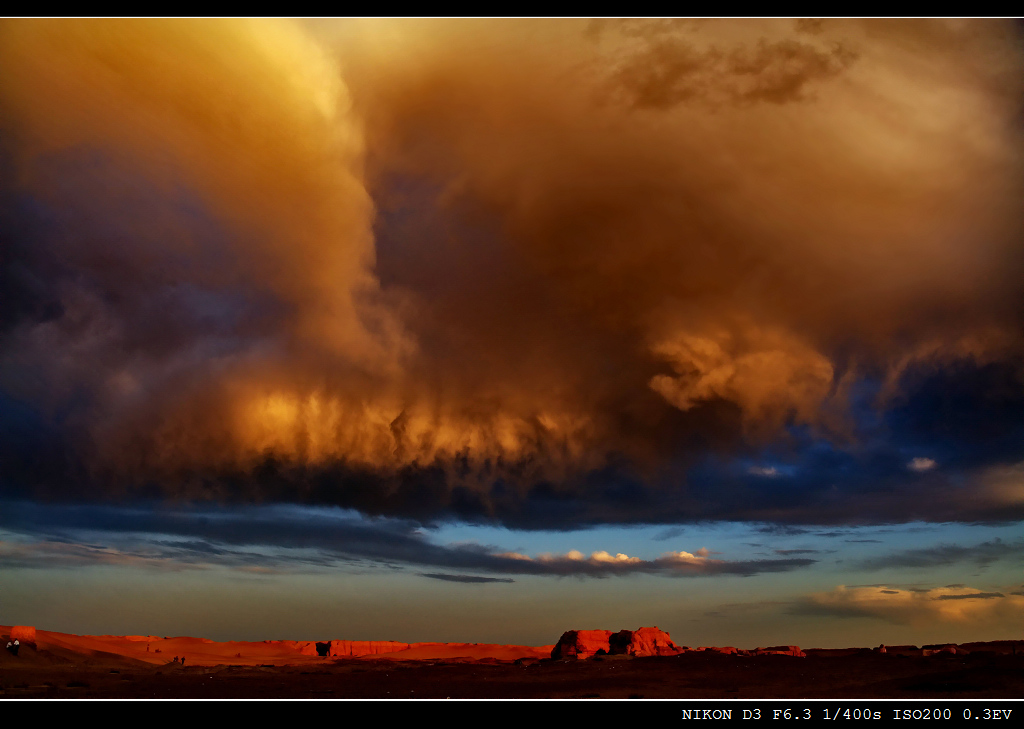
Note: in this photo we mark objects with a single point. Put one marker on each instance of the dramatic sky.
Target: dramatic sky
(483, 330)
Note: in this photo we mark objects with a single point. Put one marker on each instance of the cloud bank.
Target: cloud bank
(279, 538)
(547, 273)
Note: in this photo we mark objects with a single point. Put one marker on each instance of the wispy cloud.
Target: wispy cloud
(274, 537)
(943, 555)
(797, 551)
(920, 465)
(784, 530)
(468, 579)
(669, 533)
(912, 607)
(972, 596)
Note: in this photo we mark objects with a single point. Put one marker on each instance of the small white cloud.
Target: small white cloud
(684, 556)
(921, 464)
(516, 555)
(767, 472)
(603, 556)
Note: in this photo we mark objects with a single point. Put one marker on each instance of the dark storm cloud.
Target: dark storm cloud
(536, 273)
(829, 487)
(943, 555)
(968, 414)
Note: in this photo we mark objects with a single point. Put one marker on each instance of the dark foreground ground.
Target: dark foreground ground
(50, 675)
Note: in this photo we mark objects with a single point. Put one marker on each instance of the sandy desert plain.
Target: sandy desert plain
(54, 665)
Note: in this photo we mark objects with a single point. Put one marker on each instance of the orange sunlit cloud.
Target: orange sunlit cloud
(629, 238)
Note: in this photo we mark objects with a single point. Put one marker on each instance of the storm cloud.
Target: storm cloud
(543, 273)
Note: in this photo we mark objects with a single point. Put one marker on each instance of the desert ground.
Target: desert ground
(61, 665)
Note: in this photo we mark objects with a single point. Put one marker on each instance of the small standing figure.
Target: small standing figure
(12, 648)
(183, 660)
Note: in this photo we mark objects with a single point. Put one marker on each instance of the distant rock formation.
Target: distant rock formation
(344, 648)
(898, 649)
(1007, 647)
(644, 642)
(526, 661)
(304, 647)
(727, 650)
(354, 648)
(931, 650)
(781, 650)
(24, 634)
(581, 644)
(928, 650)
(587, 643)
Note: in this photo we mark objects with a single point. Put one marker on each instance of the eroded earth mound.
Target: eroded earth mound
(588, 643)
